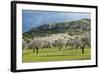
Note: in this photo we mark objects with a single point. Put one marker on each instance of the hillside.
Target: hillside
(73, 27)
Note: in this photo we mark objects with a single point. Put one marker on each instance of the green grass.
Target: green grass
(53, 54)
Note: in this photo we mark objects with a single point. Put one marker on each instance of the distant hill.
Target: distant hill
(72, 27)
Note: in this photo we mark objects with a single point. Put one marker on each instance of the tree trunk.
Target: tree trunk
(33, 50)
(59, 49)
(76, 47)
(83, 49)
(37, 50)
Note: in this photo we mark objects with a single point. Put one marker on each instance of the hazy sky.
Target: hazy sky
(33, 18)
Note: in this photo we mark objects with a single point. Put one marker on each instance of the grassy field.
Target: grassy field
(53, 54)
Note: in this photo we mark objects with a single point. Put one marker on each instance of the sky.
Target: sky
(35, 18)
